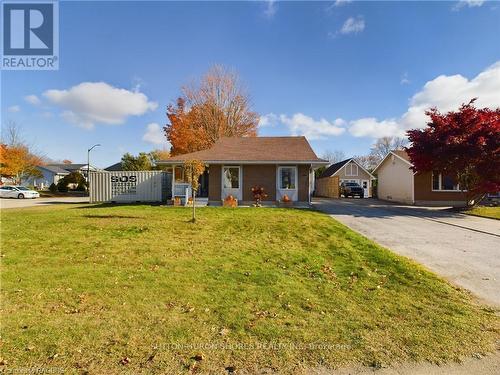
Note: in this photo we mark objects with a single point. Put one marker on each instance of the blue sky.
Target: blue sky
(341, 74)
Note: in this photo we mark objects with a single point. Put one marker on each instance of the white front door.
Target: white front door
(287, 183)
(231, 182)
(366, 187)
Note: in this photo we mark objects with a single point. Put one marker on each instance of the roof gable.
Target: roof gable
(334, 168)
(253, 149)
(400, 154)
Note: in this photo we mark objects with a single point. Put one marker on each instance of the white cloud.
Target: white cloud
(89, 103)
(370, 127)
(32, 99)
(154, 134)
(446, 93)
(467, 3)
(271, 9)
(341, 2)
(404, 79)
(137, 83)
(14, 108)
(353, 25)
(300, 124)
(337, 3)
(268, 120)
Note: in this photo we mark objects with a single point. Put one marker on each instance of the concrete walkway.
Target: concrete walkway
(464, 249)
(489, 365)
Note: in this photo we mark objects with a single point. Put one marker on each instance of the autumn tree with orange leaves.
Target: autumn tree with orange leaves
(217, 106)
(17, 161)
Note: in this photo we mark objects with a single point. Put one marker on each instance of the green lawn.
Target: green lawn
(140, 288)
(490, 212)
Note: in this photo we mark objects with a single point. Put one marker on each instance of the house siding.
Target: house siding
(395, 180)
(259, 175)
(425, 195)
(214, 182)
(45, 180)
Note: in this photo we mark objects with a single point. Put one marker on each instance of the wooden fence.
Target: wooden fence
(327, 187)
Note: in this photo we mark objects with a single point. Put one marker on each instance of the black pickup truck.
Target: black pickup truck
(351, 189)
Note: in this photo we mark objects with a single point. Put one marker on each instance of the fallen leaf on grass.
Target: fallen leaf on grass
(198, 357)
(125, 361)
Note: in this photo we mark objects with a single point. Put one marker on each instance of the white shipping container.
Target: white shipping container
(126, 186)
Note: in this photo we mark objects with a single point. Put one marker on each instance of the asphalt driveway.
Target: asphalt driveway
(464, 249)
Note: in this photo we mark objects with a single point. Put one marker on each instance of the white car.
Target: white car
(19, 192)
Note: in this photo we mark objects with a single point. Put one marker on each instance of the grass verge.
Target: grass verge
(489, 212)
(141, 289)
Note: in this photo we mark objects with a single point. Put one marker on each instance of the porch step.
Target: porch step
(201, 202)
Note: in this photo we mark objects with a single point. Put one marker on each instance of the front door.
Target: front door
(203, 185)
(231, 182)
(366, 188)
(287, 183)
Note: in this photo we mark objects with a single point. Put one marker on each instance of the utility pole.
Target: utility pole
(88, 167)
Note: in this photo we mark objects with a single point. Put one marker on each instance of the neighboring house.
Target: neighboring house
(52, 173)
(82, 168)
(7, 181)
(397, 182)
(350, 170)
(117, 167)
(281, 165)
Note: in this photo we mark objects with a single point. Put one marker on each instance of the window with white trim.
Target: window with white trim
(351, 169)
(442, 182)
(180, 176)
(288, 178)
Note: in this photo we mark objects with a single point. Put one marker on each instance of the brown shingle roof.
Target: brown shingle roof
(402, 154)
(253, 149)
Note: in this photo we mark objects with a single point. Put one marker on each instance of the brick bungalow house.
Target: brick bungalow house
(281, 165)
(397, 182)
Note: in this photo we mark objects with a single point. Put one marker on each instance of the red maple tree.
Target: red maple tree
(463, 143)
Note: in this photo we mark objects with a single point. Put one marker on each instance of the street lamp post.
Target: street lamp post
(88, 166)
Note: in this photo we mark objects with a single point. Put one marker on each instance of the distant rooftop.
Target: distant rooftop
(332, 169)
(402, 153)
(61, 168)
(114, 167)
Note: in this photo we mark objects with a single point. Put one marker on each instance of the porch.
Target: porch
(181, 189)
(288, 183)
